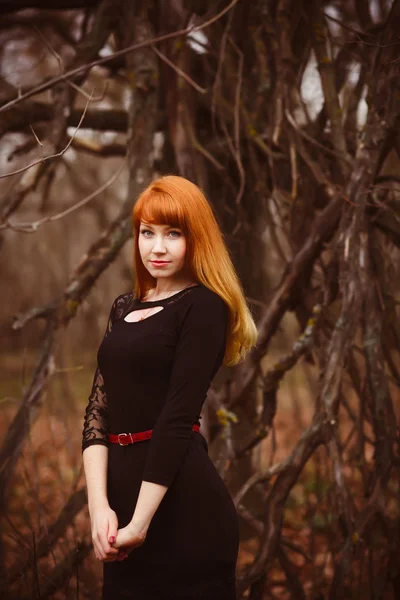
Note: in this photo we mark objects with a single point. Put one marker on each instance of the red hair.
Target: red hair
(176, 201)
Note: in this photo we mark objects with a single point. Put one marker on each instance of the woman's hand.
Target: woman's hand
(130, 537)
(104, 523)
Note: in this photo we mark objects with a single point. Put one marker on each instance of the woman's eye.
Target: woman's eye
(174, 234)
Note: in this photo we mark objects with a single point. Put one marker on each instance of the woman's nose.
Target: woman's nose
(159, 245)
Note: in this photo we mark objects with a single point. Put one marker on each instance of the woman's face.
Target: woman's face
(162, 249)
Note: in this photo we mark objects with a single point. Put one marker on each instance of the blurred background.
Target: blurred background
(286, 114)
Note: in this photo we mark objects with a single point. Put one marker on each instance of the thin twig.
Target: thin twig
(50, 156)
(237, 125)
(310, 139)
(179, 71)
(34, 226)
(86, 95)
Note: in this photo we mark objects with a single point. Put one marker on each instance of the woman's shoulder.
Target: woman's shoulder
(205, 297)
(204, 310)
(120, 303)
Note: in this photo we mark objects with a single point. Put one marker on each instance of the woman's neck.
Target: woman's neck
(168, 287)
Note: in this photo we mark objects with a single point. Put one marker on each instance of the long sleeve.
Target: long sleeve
(95, 424)
(95, 429)
(199, 354)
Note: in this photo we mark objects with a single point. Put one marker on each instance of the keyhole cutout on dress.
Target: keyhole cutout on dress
(135, 316)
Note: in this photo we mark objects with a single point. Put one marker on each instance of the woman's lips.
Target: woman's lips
(159, 263)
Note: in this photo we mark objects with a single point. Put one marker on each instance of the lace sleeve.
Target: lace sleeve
(95, 427)
(95, 430)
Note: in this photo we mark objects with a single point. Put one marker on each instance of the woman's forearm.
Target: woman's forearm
(148, 501)
(95, 461)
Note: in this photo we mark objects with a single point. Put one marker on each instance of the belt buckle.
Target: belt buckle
(127, 434)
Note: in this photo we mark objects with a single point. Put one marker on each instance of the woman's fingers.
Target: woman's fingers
(104, 532)
(98, 542)
(111, 556)
(103, 550)
(96, 552)
(108, 549)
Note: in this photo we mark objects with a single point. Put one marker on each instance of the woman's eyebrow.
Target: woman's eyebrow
(164, 226)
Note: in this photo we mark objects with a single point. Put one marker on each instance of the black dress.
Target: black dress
(154, 374)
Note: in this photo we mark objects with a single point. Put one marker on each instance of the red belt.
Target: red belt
(124, 439)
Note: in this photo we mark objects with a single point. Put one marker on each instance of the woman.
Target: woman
(163, 522)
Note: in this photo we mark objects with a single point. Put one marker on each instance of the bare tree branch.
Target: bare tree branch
(101, 61)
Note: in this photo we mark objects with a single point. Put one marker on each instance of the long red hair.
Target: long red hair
(178, 202)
